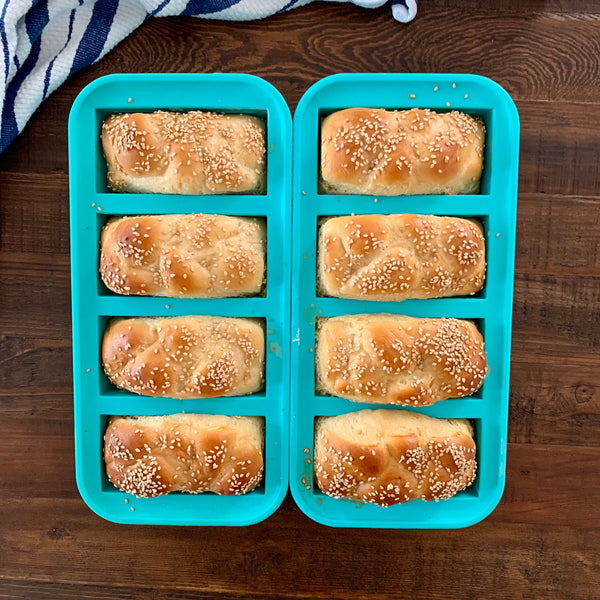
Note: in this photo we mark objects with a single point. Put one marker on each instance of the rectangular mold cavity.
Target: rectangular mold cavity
(108, 388)
(479, 394)
(91, 205)
(108, 488)
(485, 114)
(100, 115)
(472, 491)
(482, 220)
(490, 308)
(104, 218)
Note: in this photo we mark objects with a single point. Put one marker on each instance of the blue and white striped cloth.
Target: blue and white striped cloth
(43, 42)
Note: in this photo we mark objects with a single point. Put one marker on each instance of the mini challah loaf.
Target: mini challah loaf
(396, 257)
(392, 359)
(193, 152)
(389, 153)
(151, 456)
(191, 256)
(185, 357)
(387, 457)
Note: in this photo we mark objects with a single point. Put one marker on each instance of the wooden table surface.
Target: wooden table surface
(543, 540)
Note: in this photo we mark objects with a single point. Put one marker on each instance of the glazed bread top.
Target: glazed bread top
(397, 257)
(386, 457)
(194, 152)
(185, 357)
(389, 153)
(192, 256)
(393, 359)
(154, 455)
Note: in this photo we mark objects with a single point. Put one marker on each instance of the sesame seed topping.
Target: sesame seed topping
(376, 358)
(375, 151)
(185, 357)
(183, 255)
(209, 152)
(186, 456)
(394, 257)
(411, 457)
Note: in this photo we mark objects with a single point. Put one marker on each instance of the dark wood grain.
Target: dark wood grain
(543, 540)
(535, 559)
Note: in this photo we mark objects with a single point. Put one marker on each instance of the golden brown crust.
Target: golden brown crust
(185, 357)
(392, 359)
(185, 153)
(396, 257)
(151, 456)
(386, 457)
(389, 153)
(193, 256)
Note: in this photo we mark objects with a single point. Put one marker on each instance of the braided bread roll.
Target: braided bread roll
(190, 256)
(397, 257)
(185, 357)
(194, 152)
(386, 457)
(151, 456)
(392, 359)
(401, 152)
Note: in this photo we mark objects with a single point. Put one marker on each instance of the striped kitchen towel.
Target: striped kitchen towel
(45, 41)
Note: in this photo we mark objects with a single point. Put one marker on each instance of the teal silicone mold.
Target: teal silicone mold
(491, 308)
(92, 203)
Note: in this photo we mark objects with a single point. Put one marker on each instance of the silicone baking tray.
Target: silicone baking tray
(491, 309)
(92, 204)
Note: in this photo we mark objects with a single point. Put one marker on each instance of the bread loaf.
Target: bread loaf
(386, 457)
(193, 256)
(396, 257)
(389, 153)
(184, 153)
(392, 359)
(151, 456)
(185, 357)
